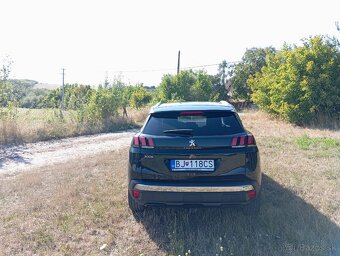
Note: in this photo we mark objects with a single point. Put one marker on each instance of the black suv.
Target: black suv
(194, 153)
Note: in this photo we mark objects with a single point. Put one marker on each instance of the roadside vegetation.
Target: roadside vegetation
(298, 83)
(301, 83)
(80, 207)
(32, 125)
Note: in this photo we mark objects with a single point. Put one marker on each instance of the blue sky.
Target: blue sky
(94, 38)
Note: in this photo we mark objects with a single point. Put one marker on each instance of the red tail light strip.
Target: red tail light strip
(234, 141)
(136, 140)
(242, 141)
(151, 142)
(250, 140)
(144, 142)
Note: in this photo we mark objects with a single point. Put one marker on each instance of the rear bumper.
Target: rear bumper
(158, 194)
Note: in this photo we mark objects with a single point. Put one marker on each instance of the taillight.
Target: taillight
(234, 141)
(250, 140)
(150, 142)
(243, 140)
(136, 141)
(144, 142)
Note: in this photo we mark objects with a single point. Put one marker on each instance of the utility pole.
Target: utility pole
(106, 81)
(178, 61)
(62, 95)
(223, 65)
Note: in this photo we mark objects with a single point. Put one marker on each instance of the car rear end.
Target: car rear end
(193, 155)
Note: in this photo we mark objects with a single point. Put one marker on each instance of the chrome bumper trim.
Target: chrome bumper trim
(157, 188)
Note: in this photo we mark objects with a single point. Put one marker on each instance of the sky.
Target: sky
(138, 40)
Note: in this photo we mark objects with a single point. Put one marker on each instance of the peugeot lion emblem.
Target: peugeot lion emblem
(192, 143)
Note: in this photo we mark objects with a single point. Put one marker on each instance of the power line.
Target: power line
(211, 65)
(142, 70)
(169, 69)
(178, 61)
(201, 66)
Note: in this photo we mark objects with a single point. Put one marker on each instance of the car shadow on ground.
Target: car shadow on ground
(286, 225)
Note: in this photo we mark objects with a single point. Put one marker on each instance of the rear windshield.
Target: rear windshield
(196, 123)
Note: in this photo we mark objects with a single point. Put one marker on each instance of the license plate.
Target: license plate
(192, 165)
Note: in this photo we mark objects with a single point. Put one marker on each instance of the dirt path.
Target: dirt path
(15, 159)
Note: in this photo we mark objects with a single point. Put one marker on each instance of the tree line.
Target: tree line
(298, 83)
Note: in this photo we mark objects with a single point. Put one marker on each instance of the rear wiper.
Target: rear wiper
(179, 131)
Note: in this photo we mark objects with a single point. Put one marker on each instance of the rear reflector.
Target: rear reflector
(135, 193)
(252, 194)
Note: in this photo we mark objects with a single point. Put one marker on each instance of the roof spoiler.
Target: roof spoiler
(157, 104)
(224, 102)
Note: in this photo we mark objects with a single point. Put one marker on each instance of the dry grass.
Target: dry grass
(138, 115)
(75, 208)
(32, 125)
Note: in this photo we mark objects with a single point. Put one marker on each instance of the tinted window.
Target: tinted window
(206, 123)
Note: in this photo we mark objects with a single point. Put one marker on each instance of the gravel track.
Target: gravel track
(18, 158)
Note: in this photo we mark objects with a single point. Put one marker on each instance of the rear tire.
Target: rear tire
(134, 206)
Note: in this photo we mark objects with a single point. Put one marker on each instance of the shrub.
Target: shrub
(188, 85)
(301, 83)
(101, 110)
(140, 97)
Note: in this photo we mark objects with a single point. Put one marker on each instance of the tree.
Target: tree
(140, 97)
(167, 88)
(102, 107)
(118, 81)
(188, 85)
(5, 86)
(6, 67)
(300, 83)
(33, 99)
(219, 81)
(183, 83)
(20, 88)
(202, 88)
(252, 62)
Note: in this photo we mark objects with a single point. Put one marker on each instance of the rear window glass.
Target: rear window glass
(207, 123)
